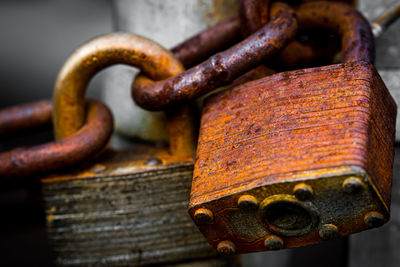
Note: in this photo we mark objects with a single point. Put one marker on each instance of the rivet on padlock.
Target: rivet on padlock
(273, 242)
(314, 147)
(303, 191)
(226, 248)
(203, 216)
(352, 185)
(329, 232)
(247, 202)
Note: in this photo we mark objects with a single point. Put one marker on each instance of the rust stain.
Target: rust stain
(255, 13)
(88, 141)
(219, 10)
(221, 68)
(95, 55)
(118, 48)
(208, 42)
(25, 117)
(315, 126)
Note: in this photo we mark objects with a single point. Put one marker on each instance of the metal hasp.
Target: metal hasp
(298, 157)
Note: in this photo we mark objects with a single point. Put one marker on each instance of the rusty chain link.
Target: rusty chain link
(109, 49)
(221, 68)
(88, 141)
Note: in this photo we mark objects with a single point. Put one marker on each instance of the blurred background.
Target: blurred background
(38, 36)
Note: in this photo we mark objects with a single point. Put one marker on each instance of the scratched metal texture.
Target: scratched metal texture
(307, 120)
(331, 122)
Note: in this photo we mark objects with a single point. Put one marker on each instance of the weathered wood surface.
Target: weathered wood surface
(124, 213)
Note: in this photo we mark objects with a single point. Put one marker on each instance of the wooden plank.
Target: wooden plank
(124, 213)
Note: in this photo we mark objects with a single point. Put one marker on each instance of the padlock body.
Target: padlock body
(293, 154)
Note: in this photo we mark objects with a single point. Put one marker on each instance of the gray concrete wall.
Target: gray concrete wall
(37, 37)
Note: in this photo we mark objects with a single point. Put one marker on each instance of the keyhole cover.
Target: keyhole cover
(287, 216)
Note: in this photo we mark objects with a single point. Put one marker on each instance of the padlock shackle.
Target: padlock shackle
(220, 69)
(99, 53)
(254, 14)
(75, 149)
(355, 32)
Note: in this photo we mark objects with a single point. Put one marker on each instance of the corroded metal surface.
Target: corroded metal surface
(208, 42)
(354, 30)
(319, 48)
(320, 136)
(25, 117)
(106, 50)
(93, 56)
(169, 22)
(133, 198)
(88, 141)
(221, 68)
(313, 148)
(254, 14)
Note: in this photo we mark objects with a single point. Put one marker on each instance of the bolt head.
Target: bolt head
(374, 219)
(98, 168)
(248, 202)
(203, 216)
(273, 242)
(303, 191)
(226, 248)
(329, 232)
(352, 185)
(153, 162)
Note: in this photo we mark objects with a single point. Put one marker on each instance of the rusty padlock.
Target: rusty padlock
(129, 208)
(298, 157)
